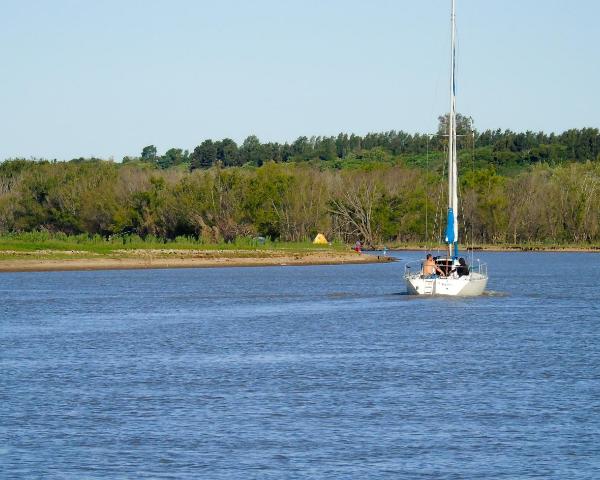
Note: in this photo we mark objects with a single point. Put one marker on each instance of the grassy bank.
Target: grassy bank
(67, 246)
(45, 252)
(43, 245)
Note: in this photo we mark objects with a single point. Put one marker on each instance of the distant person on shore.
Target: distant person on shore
(430, 268)
(358, 246)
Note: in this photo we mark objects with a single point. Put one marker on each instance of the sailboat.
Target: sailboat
(448, 275)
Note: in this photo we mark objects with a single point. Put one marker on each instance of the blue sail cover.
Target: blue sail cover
(450, 238)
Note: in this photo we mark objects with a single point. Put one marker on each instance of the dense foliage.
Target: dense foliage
(372, 188)
(506, 150)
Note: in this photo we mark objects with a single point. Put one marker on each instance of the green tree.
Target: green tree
(251, 151)
(327, 149)
(464, 124)
(227, 152)
(173, 157)
(204, 155)
(149, 154)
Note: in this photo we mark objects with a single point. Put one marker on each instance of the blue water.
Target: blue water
(301, 372)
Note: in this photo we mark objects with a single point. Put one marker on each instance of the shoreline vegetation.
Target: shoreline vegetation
(519, 191)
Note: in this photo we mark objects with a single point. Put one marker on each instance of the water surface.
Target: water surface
(301, 372)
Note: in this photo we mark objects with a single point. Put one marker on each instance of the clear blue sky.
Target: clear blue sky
(105, 78)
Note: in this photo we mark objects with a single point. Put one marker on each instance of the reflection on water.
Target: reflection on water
(301, 372)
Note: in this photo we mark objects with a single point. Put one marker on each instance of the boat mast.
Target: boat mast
(452, 225)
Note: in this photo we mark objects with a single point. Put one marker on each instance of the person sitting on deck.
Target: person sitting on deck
(444, 264)
(430, 268)
(462, 268)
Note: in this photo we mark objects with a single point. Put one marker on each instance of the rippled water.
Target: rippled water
(301, 372)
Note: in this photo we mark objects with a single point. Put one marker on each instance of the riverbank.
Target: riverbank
(55, 260)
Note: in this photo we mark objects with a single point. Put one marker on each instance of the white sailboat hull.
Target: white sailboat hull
(466, 286)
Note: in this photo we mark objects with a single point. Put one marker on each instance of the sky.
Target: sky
(104, 78)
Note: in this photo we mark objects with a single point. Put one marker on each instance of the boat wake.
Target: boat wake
(494, 293)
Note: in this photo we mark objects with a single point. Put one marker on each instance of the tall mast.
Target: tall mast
(452, 226)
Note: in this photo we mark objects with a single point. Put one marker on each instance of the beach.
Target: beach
(49, 260)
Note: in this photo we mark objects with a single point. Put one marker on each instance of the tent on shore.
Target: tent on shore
(320, 240)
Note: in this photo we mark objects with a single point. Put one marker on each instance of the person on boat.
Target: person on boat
(462, 268)
(444, 264)
(430, 268)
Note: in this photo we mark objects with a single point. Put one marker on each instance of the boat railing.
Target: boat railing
(416, 267)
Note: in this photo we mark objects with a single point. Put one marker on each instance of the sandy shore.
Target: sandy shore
(143, 259)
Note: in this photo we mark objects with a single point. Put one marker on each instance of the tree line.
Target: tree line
(377, 202)
(501, 148)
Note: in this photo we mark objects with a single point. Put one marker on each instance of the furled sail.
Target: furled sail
(452, 224)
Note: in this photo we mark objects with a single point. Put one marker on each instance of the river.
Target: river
(325, 372)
